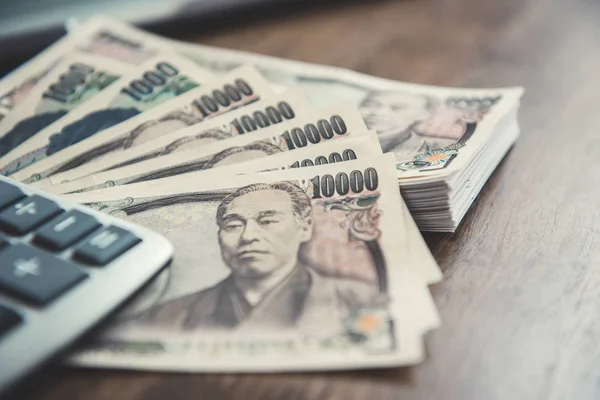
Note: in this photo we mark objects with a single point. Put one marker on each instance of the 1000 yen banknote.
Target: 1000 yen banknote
(325, 125)
(148, 85)
(98, 35)
(76, 79)
(233, 91)
(300, 269)
(261, 115)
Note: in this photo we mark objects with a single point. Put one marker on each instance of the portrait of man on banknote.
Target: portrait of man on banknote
(262, 229)
(409, 124)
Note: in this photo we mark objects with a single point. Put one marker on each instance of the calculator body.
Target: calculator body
(97, 290)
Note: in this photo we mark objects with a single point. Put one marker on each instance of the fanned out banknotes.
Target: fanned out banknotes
(277, 181)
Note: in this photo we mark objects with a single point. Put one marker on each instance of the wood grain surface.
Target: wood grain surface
(521, 297)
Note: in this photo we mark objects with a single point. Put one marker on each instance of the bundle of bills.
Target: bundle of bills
(446, 141)
(294, 247)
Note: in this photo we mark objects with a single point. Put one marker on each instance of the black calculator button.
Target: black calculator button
(3, 242)
(27, 214)
(9, 319)
(65, 230)
(34, 275)
(9, 194)
(105, 245)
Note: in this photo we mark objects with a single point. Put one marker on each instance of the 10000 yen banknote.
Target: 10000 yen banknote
(224, 94)
(252, 118)
(431, 130)
(296, 269)
(100, 36)
(360, 146)
(152, 83)
(348, 149)
(76, 79)
(331, 124)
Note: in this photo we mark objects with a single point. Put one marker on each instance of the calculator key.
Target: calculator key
(9, 194)
(65, 230)
(36, 276)
(9, 319)
(27, 214)
(106, 245)
(3, 242)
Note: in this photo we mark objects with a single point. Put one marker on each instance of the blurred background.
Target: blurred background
(27, 26)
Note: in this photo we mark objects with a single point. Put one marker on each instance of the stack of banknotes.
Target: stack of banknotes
(277, 182)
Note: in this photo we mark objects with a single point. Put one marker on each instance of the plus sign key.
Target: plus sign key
(105, 245)
(27, 214)
(35, 276)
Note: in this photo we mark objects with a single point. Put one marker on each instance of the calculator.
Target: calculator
(63, 268)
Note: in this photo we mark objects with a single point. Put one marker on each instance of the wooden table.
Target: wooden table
(521, 296)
